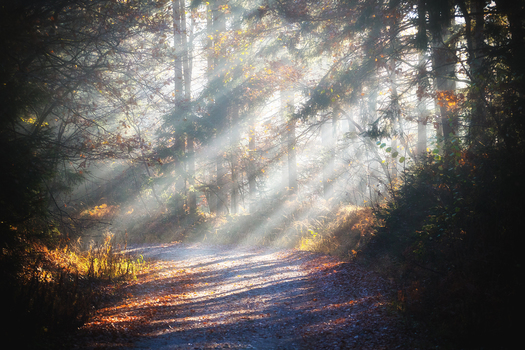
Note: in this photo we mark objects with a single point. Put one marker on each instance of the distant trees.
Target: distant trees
(90, 80)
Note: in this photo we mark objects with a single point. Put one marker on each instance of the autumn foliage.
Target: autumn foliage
(56, 289)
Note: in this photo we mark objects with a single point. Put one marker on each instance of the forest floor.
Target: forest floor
(196, 296)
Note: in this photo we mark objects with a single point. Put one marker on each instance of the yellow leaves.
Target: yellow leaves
(101, 211)
(449, 99)
(33, 121)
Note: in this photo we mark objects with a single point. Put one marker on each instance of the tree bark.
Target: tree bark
(219, 23)
(252, 186)
(234, 141)
(287, 110)
(191, 197)
(444, 60)
(179, 146)
(329, 140)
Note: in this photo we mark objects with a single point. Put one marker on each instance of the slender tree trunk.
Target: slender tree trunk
(475, 46)
(179, 147)
(234, 141)
(219, 23)
(444, 76)
(395, 108)
(293, 184)
(328, 140)
(288, 107)
(252, 187)
(211, 192)
(192, 194)
(222, 204)
(422, 109)
(190, 154)
(284, 99)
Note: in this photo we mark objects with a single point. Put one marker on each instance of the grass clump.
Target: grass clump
(344, 232)
(50, 291)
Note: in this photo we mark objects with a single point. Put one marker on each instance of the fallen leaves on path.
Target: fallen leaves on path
(202, 297)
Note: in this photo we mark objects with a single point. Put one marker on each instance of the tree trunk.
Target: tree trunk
(288, 108)
(395, 108)
(219, 23)
(252, 187)
(475, 46)
(293, 185)
(211, 193)
(328, 139)
(234, 141)
(190, 154)
(179, 146)
(444, 60)
(422, 109)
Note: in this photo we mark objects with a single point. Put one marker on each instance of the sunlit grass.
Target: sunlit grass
(343, 232)
(58, 287)
(99, 261)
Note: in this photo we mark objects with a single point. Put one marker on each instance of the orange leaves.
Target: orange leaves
(224, 8)
(340, 320)
(175, 298)
(449, 99)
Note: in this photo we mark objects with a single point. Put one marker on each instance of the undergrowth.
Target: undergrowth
(314, 226)
(451, 239)
(344, 232)
(50, 291)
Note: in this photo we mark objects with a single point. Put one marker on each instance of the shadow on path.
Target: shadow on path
(208, 297)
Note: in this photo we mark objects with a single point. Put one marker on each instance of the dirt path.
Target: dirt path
(203, 297)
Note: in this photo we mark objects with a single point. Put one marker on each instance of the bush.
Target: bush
(50, 291)
(344, 232)
(453, 230)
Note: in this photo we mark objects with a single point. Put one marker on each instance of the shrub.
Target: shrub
(49, 291)
(454, 232)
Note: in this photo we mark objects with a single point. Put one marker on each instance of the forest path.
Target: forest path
(208, 297)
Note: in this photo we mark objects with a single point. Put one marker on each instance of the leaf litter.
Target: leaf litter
(196, 296)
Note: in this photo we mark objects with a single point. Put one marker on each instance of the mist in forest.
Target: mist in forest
(226, 109)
